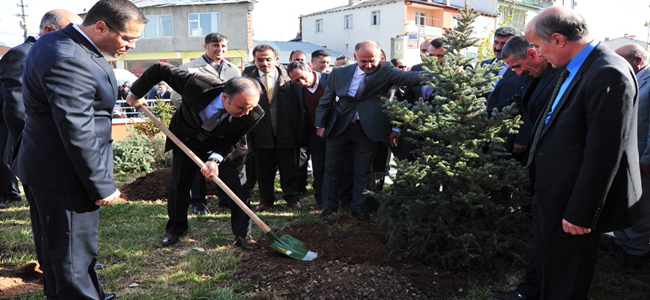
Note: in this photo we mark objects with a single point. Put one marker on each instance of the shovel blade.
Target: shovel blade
(293, 248)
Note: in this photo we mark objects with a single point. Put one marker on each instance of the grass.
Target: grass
(138, 267)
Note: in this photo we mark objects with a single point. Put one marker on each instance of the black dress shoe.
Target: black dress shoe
(634, 262)
(200, 211)
(109, 296)
(262, 207)
(169, 239)
(363, 217)
(511, 295)
(246, 242)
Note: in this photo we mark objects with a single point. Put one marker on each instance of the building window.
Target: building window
(158, 26)
(319, 25)
(203, 23)
(348, 22)
(420, 18)
(454, 21)
(374, 18)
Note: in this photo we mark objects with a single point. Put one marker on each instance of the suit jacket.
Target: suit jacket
(532, 101)
(288, 116)
(507, 87)
(69, 91)
(586, 163)
(374, 121)
(644, 118)
(197, 91)
(11, 88)
(298, 90)
(200, 65)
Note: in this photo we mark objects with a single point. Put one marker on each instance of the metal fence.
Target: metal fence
(123, 110)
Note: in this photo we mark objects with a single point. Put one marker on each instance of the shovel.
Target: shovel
(285, 244)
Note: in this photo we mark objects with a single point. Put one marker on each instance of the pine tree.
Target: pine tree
(442, 207)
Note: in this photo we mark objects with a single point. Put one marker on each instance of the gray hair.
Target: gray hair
(348, 60)
(50, 19)
(516, 46)
(506, 31)
(572, 26)
(297, 65)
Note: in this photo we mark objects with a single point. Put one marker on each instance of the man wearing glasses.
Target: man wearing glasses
(65, 153)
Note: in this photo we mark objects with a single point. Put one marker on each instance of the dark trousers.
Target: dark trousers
(316, 147)
(267, 161)
(8, 182)
(353, 138)
(198, 191)
(178, 195)
(565, 262)
(303, 162)
(68, 227)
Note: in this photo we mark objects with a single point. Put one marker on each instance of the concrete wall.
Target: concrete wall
(233, 23)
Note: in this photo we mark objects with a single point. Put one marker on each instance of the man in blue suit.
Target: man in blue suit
(65, 153)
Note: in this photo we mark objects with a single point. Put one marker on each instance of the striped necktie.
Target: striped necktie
(268, 85)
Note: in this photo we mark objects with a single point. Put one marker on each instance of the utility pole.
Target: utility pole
(22, 15)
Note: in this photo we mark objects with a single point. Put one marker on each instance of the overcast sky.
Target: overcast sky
(278, 19)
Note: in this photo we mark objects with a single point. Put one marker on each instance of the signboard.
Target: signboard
(412, 41)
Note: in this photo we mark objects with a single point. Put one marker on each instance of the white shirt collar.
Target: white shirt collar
(316, 82)
(84, 34)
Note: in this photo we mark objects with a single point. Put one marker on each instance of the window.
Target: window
(374, 18)
(319, 25)
(348, 22)
(202, 24)
(454, 21)
(420, 18)
(158, 26)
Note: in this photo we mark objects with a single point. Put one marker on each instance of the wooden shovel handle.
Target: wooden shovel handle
(200, 163)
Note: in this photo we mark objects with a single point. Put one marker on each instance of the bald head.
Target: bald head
(367, 54)
(558, 34)
(635, 55)
(57, 19)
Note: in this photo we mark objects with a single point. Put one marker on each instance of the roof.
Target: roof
(285, 48)
(367, 3)
(163, 3)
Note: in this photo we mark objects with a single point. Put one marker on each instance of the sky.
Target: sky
(277, 20)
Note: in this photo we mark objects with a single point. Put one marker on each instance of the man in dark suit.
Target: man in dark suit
(361, 123)
(212, 63)
(634, 240)
(276, 141)
(12, 109)
(539, 82)
(65, 153)
(212, 122)
(435, 49)
(310, 87)
(505, 89)
(583, 156)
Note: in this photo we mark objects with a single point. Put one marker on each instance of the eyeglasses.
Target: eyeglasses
(401, 67)
(124, 38)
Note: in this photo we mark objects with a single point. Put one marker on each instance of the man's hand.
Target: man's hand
(518, 148)
(320, 131)
(573, 229)
(135, 102)
(210, 169)
(110, 199)
(645, 169)
(393, 138)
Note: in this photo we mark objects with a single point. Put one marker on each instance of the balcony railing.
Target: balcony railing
(123, 111)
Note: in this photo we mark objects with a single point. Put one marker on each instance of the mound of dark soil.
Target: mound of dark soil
(353, 262)
(150, 187)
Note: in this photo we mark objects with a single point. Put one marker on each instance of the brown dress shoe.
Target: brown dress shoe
(169, 239)
(294, 205)
(246, 242)
(262, 207)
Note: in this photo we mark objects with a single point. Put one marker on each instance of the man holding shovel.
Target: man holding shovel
(212, 121)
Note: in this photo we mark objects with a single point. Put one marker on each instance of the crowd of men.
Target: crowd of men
(584, 136)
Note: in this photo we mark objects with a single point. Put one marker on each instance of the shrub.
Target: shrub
(139, 153)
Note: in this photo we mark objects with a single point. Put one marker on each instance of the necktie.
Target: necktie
(541, 119)
(269, 86)
(211, 123)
